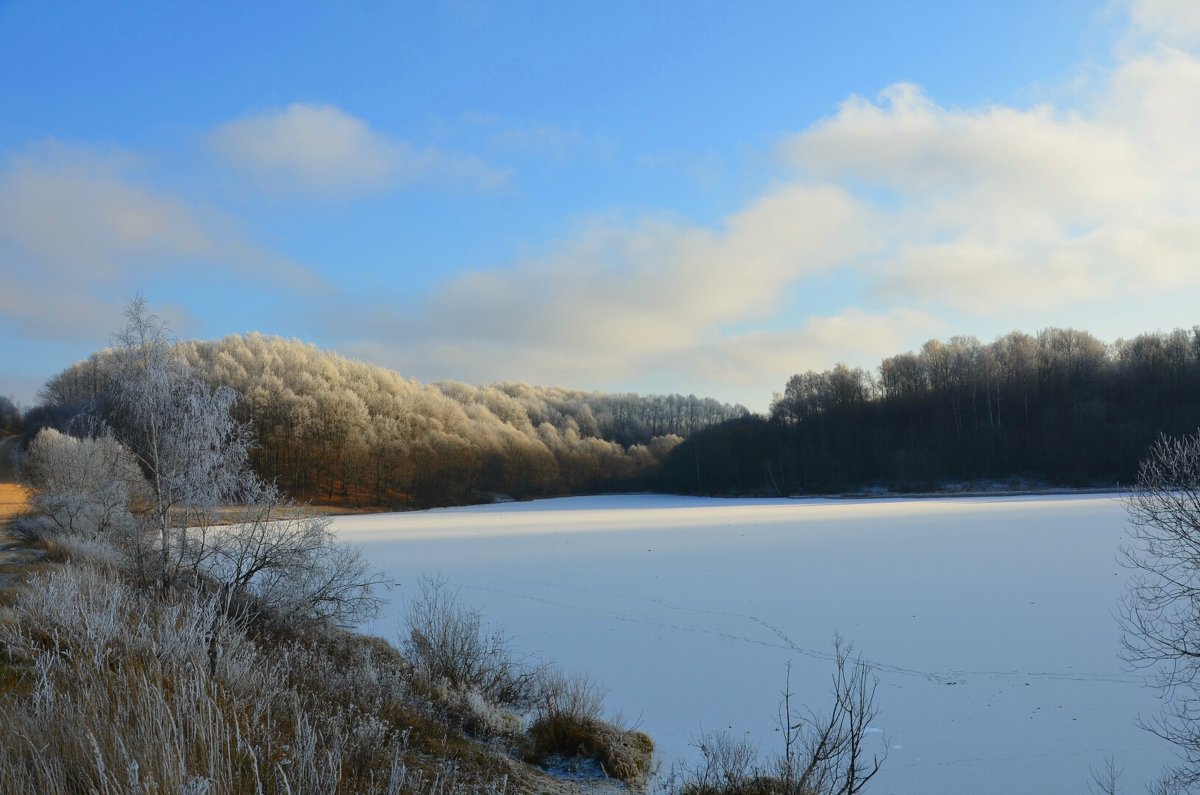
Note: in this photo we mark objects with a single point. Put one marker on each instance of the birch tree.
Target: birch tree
(194, 453)
(195, 457)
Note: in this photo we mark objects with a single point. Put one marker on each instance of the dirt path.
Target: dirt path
(13, 496)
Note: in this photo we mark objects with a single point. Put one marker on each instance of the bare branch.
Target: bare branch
(1160, 612)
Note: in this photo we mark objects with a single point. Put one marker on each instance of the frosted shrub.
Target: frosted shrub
(290, 566)
(822, 754)
(478, 716)
(83, 486)
(79, 611)
(578, 698)
(167, 421)
(446, 641)
(730, 765)
(99, 552)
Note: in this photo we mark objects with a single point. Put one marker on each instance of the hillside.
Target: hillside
(337, 430)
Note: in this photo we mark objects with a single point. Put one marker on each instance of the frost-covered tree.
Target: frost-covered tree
(166, 476)
(194, 453)
(83, 486)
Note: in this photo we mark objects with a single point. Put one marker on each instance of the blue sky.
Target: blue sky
(694, 197)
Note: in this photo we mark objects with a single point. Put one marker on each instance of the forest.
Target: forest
(334, 430)
(1060, 408)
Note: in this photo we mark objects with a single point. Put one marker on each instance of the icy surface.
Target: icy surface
(989, 620)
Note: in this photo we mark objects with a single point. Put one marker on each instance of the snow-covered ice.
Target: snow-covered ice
(989, 620)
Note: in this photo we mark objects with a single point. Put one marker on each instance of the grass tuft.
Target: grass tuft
(568, 723)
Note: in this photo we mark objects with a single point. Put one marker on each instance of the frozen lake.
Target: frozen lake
(989, 620)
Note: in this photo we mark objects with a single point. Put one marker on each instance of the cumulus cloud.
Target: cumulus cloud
(322, 151)
(626, 300)
(1175, 22)
(653, 284)
(991, 216)
(994, 209)
(756, 359)
(80, 231)
(71, 210)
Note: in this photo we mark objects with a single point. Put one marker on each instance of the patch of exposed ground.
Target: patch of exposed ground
(13, 499)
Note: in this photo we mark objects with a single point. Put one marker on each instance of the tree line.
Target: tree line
(1056, 408)
(338, 430)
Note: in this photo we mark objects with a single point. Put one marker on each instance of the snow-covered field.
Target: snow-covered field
(989, 621)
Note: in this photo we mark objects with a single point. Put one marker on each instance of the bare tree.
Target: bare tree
(823, 753)
(1160, 612)
(730, 764)
(1104, 782)
(827, 754)
(285, 561)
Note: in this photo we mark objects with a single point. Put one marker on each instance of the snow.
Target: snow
(989, 620)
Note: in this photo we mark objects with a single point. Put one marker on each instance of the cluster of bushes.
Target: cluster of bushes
(228, 672)
(821, 754)
(110, 687)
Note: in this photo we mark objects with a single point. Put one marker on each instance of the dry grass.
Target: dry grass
(108, 688)
(568, 724)
(622, 753)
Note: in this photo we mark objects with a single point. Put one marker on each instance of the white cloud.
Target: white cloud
(622, 300)
(540, 137)
(924, 217)
(536, 137)
(1153, 100)
(998, 170)
(764, 359)
(320, 150)
(1175, 22)
(72, 211)
(80, 232)
(994, 210)
(994, 216)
